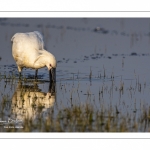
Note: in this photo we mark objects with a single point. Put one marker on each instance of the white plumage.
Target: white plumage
(28, 51)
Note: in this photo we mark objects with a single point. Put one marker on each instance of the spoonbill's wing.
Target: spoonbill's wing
(40, 38)
(32, 40)
(27, 47)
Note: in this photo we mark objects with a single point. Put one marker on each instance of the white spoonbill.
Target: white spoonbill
(28, 52)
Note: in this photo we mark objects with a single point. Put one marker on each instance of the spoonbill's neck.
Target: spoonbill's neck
(45, 58)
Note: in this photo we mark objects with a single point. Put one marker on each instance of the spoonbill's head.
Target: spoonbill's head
(47, 59)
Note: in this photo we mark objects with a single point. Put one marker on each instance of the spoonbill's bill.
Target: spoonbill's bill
(28, 52)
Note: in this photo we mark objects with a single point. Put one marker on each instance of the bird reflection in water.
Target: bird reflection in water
(29, 103)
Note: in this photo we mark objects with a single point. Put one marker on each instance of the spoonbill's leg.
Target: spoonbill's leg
(36, 72)
(19, 75)
(19, 69)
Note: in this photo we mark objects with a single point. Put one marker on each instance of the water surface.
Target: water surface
(102, 77)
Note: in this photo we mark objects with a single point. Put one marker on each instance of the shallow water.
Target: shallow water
(105, 69)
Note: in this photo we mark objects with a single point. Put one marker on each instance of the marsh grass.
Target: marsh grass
(78, 109)
(86, 119)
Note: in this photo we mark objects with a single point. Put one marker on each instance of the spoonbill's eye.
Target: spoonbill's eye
(50, 65)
